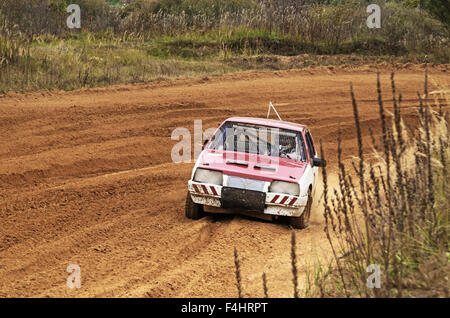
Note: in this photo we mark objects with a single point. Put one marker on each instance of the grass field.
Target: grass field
(153, 40)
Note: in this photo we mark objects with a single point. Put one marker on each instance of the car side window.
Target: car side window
(311, 149)
(301, 147)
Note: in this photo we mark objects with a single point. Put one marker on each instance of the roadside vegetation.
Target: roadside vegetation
(389, 212)
(391, 207)
(146, 40)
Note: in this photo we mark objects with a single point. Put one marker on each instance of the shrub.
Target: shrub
(396, 212)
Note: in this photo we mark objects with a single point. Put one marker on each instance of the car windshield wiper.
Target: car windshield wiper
(239, 163)
(265, 167)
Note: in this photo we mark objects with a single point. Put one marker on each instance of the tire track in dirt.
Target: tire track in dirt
(86, 177)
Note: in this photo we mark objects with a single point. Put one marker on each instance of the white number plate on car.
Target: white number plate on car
(244, 183)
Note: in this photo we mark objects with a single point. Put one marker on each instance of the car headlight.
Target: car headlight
(284, 187)
(208, 176)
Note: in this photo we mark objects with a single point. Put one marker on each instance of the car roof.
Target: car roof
(268, 122)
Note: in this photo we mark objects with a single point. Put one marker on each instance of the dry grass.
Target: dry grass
(393, 211)
(294, 265)
(237, 266)
(152, 40)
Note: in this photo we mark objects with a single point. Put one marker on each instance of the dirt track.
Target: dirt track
(86, 178)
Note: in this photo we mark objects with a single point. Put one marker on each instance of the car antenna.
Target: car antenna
(268, 112)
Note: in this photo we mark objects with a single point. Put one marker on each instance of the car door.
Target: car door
(312, 154)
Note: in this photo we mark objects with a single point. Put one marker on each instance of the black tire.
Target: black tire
(302, 221)
(193, 210)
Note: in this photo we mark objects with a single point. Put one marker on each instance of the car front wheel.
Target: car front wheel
(193, 210)
(302, 221)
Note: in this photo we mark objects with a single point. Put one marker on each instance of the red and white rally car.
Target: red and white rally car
(259, 167)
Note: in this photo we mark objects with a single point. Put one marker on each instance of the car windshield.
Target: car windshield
(258, 139)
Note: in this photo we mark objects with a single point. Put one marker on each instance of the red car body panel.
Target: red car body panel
(268, 168)
(284, 169)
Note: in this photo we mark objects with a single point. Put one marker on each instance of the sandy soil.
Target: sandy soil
(86, 178)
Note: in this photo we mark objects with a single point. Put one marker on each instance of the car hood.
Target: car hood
(252, 166)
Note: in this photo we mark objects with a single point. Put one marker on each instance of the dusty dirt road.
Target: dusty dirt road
(86, 178)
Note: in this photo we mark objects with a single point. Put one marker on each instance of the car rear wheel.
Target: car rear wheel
(302, 221)
(193, 210)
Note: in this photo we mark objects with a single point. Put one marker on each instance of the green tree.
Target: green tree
(440, 9)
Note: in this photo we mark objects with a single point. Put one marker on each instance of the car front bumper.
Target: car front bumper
(277, 204)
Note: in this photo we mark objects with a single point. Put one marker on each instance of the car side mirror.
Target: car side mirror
(206, 141)
(317, 162)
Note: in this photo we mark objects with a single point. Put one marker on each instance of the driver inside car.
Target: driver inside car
(288, 150)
